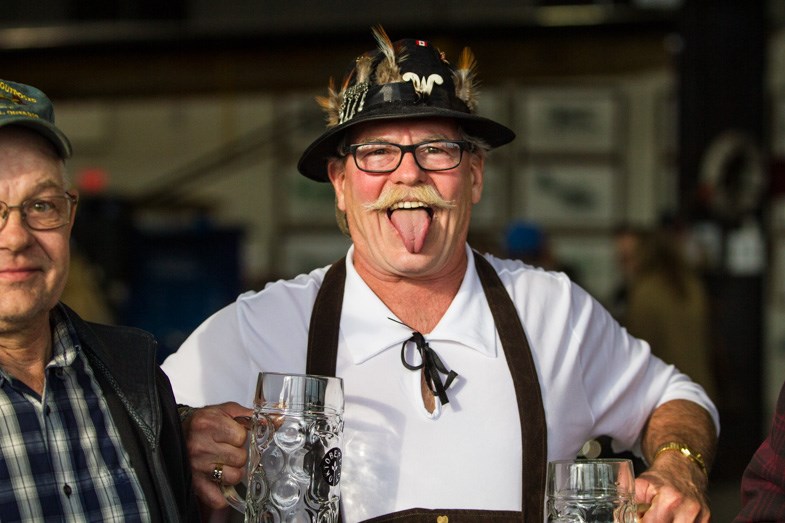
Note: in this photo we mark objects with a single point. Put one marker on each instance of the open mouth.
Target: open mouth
(412, 220)
(410, 205)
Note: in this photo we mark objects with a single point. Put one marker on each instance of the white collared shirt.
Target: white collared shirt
(595, 380)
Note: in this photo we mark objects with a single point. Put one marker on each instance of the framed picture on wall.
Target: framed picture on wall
(306, 202)
(491, 210)
(568, 194)
(570, 120)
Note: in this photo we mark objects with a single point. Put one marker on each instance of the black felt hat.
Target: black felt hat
(405, 79)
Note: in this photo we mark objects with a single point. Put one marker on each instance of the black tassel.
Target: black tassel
(432, 366)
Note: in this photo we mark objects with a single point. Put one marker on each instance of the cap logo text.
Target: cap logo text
(17, 112)
(16, 96)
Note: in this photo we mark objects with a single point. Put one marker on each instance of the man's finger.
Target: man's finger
(209, 492)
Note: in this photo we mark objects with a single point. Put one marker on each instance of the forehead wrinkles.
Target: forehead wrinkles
(29, 166)
(21, 145)
(19, 138)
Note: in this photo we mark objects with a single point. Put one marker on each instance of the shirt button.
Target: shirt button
(67, 490)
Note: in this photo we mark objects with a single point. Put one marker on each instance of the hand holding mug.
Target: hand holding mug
(217, 449)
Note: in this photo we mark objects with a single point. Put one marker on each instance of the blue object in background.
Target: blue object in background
(524, 240)
(178, 279)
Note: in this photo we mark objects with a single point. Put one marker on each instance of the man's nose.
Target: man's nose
(408, 171)
(13, 231)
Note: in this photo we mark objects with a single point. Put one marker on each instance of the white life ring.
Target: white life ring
(732, 175)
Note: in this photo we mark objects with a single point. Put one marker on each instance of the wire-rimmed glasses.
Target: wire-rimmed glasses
(385, 157)
(42, 213)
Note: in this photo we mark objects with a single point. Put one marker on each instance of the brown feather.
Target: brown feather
(331, 104)
(465, 77)
(387, 71)
(363, 68)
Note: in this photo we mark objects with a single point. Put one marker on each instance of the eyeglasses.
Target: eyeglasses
(42, 213)
(385, 157)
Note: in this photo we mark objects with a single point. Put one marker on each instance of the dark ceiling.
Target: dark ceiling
(78, 48)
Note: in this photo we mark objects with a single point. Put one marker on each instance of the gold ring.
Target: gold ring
(218, 472)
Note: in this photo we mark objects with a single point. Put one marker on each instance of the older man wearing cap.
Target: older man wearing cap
(521, 365)
(89, 429)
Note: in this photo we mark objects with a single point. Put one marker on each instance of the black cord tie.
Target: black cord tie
(431, 365)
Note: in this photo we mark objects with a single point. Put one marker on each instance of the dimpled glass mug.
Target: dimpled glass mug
(592, 490)
(295, 450)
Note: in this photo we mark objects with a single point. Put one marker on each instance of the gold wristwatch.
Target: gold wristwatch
(685, 451)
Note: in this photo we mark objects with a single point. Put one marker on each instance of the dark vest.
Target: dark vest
(323, 351)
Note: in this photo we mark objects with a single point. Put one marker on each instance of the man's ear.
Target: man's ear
(477, 173)
(337, 174)
(72, 191)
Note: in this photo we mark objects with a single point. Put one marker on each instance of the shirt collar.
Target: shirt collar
(64, 344)
(64, 339)
(367, 331)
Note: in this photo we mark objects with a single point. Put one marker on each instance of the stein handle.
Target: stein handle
(233, 497)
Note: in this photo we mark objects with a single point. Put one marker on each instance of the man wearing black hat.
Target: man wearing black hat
(464, 373)
(89, 429)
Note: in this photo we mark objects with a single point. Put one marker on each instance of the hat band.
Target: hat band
(362, 98)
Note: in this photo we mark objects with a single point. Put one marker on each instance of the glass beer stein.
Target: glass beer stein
(594, 490)
(295, 450)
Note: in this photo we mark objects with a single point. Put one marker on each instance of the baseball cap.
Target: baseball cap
(29, 107)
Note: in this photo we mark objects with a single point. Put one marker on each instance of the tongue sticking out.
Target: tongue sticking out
(412, 226)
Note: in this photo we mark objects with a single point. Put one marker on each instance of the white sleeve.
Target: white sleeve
(211, 366)
(266, 330)
(623, 381)
(596, 379)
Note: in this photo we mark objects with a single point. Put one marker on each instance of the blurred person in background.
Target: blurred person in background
(89, 428)
(665, 301)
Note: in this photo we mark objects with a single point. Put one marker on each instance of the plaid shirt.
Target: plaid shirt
(763, 483)
(61, 458)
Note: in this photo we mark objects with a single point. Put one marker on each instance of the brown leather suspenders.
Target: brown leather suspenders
(322, 355)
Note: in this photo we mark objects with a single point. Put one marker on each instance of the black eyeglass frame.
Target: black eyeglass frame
(5, 211)
(463, 145)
